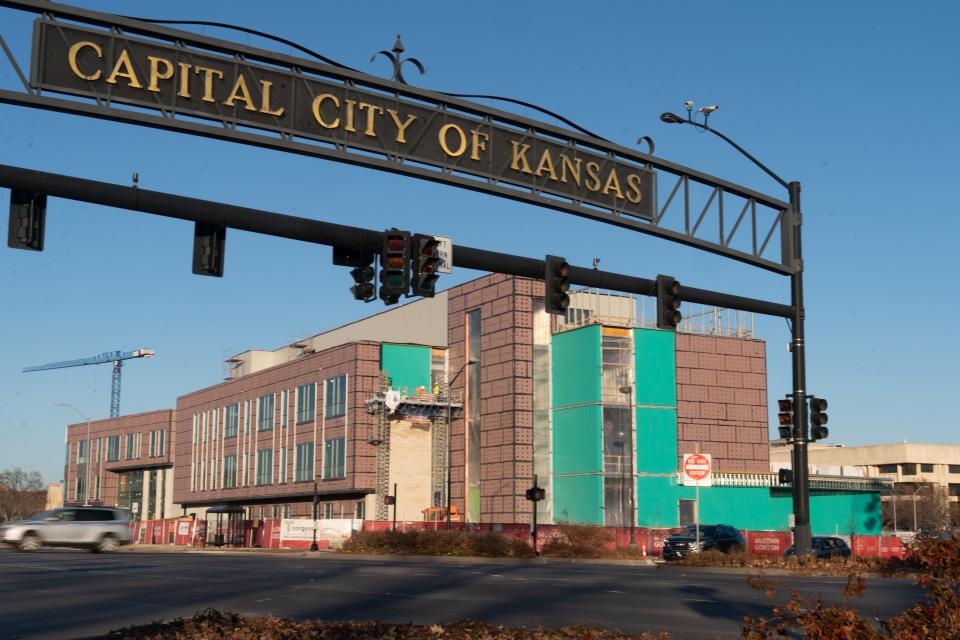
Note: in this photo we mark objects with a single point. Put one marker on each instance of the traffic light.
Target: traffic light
(28, 214)
(818, 419)
(786, 418)
(556, 279)
(388, 500)
(536, 494)
(394, 265)
(668, 303)
(424, 263)
(209, 243)
(785, 476)
(362, 274)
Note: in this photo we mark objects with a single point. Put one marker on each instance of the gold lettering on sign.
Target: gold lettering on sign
(593, 176)
(265, 102)
(568, 168)
(156, 75)
(184, 91)
(479, 141)
(613, 182)
(72, 60)
(316, 110)
(240, 92)
(401, 128)
(124, 69)
(349, 126)
(371, 110)
(633, 183)
(208, 74)
(546, 162)
(443, 140)
(520, 156)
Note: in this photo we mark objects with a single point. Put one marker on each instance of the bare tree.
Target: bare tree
(919, 507)
(21, 493)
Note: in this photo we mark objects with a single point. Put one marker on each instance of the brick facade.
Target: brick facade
(722, 401)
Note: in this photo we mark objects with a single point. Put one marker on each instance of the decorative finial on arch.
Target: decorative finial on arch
(398, 61)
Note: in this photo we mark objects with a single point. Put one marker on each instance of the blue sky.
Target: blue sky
(854, 100)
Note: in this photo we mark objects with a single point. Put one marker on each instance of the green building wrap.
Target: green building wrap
(408, 366)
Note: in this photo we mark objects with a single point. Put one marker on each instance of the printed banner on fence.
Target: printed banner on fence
(334, 530)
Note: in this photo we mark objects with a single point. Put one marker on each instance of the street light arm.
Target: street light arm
(746, 153)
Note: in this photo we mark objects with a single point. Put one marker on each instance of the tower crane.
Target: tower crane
(116, 357)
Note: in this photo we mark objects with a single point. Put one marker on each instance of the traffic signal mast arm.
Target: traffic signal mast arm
(339, 235)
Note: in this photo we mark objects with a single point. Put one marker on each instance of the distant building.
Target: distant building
(125, 462)
(54, 496)
(912, 468)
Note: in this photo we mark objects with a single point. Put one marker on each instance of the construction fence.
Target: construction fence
(331, 533)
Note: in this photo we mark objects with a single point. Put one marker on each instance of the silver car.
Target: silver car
(96, 528)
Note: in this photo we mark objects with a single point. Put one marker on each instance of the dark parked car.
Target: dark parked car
(824, 547)
(721, 537)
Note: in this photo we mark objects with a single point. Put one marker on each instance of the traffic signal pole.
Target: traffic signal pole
(801, 480)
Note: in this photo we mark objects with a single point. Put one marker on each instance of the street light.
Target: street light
(449, 443)
(801, 484)
(86, 459)
(316, 500)
(632, 544)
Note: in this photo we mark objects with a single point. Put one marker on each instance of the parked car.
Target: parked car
(721, 537)
(824, 547)
(101, 529)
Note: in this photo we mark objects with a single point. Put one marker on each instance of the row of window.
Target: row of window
(157, 446)
(910, 468)
(334, 464)
(334, 407)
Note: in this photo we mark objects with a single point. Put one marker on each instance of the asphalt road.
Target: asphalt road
(64, 594)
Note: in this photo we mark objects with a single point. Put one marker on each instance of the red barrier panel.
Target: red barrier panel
(892, 547)
(768, 544)
(866, 546)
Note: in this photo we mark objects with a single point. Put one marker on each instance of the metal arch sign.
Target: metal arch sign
(111, 67)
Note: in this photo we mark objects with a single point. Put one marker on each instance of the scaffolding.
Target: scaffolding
(437, 409)
(612, 309)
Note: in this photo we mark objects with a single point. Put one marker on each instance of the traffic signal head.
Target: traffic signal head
(424, 263)
(28, 214)
(556, 278)
(363, 288)
(394, 265)
(209, 243)
(818, 418)
(388, 500)
(785, 476)
(668, 303)
(785, 417)
(536, 494)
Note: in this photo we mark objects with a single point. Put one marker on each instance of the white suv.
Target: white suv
(96, 528)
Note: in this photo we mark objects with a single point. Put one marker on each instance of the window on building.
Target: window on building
(113, 448)
(926, 468)
(908, 469)
(306, 402)
(130, 443)
(327, 510)
(887, 468)
(264, 466)
(231, 420)
(83, 448)
(953, 468)
(334, 459)
(229, 471)
(158, 443)
(282, 467)
(265, 413)
(472, 383)
(359, 510)
(336, 397)
(303, 466)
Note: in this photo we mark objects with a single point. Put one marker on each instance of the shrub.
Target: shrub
(437, 543)
(937, 618)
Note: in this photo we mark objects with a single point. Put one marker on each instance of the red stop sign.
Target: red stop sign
(696, 467)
